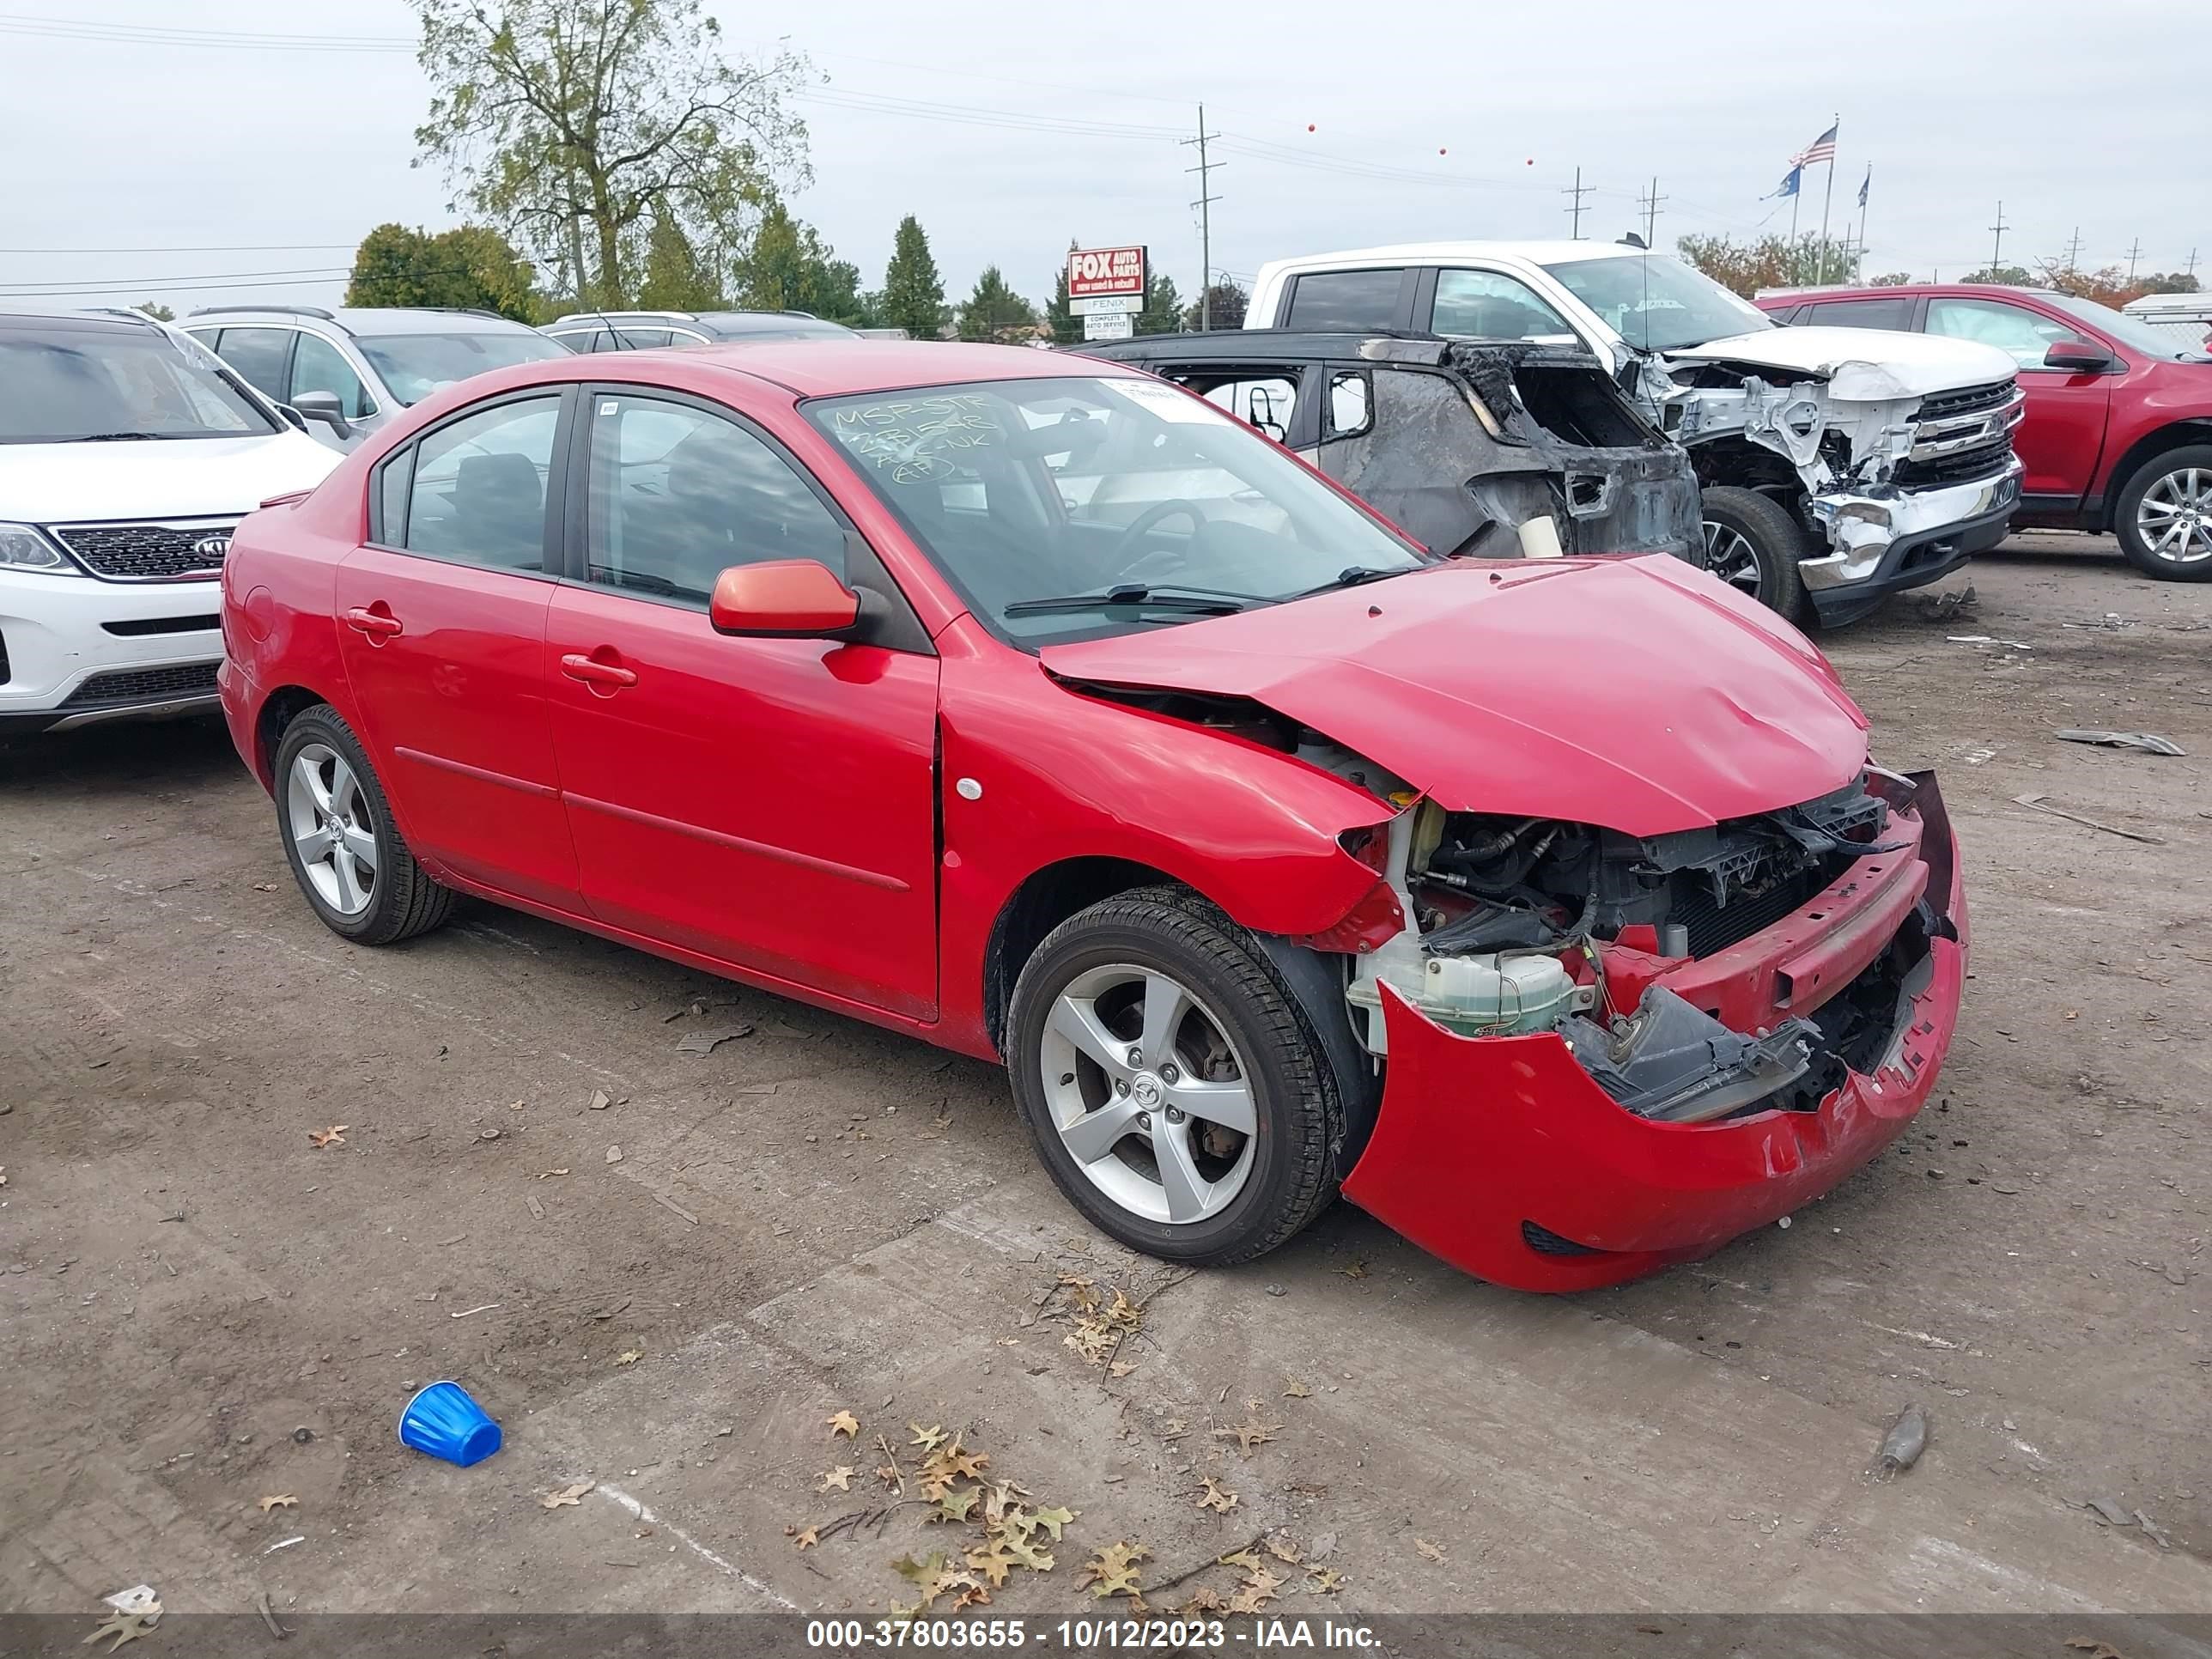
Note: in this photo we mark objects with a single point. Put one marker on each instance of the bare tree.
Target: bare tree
(569, 123)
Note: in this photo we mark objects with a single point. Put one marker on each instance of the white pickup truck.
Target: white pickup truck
(1836, 464)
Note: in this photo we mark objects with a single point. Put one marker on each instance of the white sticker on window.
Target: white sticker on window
(609, 406)
(1169, 403)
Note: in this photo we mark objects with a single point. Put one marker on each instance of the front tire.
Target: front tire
(357, 874)
(1753, 543)
(2164, 516)
(1174, 1088)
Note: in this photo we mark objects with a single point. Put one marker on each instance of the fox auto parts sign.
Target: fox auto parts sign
(1101, 273)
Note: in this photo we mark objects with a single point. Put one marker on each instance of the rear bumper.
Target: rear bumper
(1504, 1156)
(1884, 546)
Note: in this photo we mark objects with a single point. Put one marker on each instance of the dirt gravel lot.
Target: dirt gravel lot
(203, 1309)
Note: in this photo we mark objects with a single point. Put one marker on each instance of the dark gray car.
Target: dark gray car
(1502, 449)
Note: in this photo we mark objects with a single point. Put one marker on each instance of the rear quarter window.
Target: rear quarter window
(1347, 302)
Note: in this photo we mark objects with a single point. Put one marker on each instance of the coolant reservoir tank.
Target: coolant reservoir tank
(1494, 994)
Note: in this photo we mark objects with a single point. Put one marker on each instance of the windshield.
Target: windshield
(1024, 491)
(415, 365)
(1657, 303)
(2130, 331)
(70, 385)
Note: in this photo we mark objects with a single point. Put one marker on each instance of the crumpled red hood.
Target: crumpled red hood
(1636, 693)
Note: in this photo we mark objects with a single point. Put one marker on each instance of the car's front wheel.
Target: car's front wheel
(1174, 1089)
(2164, 516)
(1753, 543)
(344, 850)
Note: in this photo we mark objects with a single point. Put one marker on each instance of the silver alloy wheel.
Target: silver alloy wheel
(1149, 1094)
(331, 828)
(2174, 517)
(1731, 556)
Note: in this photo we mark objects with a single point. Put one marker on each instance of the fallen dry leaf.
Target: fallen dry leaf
(1324, 1581)
(1122, 1368)
(1213, 1497)
(803, 1538)
(126, 1626)
(1357, 1270)
(1249, 1433)
(517, 1105)
(1280, 1545)
(1427, 1551)
(1112, 1571)
(928, 1439)
(840, 1479)
(278, 1500)
(568, 1497)
(2093, 1648)
(333, 1136)
(1297, 1390)
(265, 886)
(629, 1357)
(843, 1423)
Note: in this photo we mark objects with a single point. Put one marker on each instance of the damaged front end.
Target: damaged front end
(1894, 484)
(1603, 1053)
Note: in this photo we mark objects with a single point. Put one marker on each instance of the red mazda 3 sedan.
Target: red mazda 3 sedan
(1551, 909)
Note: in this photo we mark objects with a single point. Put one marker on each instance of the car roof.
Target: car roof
(1553, 252)
(360, 320)
(74, 322)
(770, 322)
(1873, 291)
(1238, 345)
(817, 368)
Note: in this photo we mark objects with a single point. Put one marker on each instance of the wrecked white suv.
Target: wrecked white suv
(1836, 464)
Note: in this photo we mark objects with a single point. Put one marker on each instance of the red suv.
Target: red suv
(2118, 429)
(1037, 708)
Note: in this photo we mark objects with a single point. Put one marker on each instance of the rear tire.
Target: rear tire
(1753, 543)
(1143, 1144)
(356, 874)
(2169, 496)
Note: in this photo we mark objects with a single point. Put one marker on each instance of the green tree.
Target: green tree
(2006, 276)
(791, 268)
(468, 266)
(1162, 312)
(159, 313)
(994, 311)
(1227, 310)
(675, 279)
(914, 293)
(572, 124)
(1067, 326)
(1890, 279)
(1770, 261)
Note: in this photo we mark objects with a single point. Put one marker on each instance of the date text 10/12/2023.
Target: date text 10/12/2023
(1086, 1635)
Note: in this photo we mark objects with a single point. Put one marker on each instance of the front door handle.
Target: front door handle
(592, 671)
(377, 624)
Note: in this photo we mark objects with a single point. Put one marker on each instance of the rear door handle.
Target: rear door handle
(377, 624)
(592, 671)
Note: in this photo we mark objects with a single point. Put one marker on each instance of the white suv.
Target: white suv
(127, 457)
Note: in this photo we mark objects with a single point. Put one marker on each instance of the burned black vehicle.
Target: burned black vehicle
(1500, 449)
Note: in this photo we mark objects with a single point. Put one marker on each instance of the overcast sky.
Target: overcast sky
(211, 173)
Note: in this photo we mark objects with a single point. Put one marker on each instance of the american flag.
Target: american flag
(1822, 148)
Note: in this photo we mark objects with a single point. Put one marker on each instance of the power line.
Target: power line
(72, 28)
(217, 247)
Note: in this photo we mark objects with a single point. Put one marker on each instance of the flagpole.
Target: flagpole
(1827, 198)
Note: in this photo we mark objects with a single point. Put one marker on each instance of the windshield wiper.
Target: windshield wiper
(115, 437)
(1351, 576)
(1197, 601)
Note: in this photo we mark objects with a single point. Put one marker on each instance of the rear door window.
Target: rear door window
(1894, 311)
(260, 356)
(1349, 301)
(478, 493)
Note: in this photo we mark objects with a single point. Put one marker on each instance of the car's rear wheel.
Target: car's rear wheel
(2164, 516)
(1752, 543)
(1175, 1090)
(339, 838)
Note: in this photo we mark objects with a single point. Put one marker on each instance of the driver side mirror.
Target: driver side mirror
(2077, 355)
(783, 599)
(324, 406)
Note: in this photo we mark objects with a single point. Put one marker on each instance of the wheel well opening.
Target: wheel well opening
(1046, 898)
(2182, 434)
(283, 706)
(1737, 460)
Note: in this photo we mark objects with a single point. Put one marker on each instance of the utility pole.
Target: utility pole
(2074, 251)
(2189, 269)
(1996, 247)
(1649, 204)
(2134, 254)
(1577, 193)
(1205, 202)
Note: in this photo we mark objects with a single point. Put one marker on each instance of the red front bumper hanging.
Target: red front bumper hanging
(1477, 1136)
